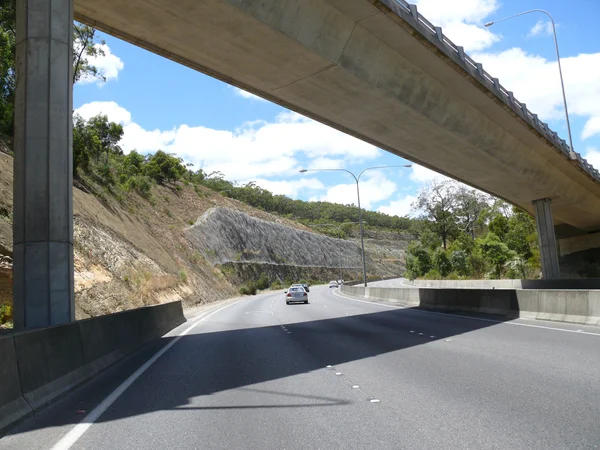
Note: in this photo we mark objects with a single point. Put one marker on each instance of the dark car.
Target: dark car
(305, 286)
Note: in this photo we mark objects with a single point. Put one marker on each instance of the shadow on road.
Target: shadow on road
(207, 363)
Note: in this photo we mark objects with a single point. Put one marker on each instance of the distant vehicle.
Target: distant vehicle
(305, 286)
(296, 294)
(333, 284)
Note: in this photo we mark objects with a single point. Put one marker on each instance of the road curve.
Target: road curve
(341, 373)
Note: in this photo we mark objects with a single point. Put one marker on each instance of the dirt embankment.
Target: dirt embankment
(133, 251)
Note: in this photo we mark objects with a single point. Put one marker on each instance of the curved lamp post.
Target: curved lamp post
(357, 179)
(562, 84)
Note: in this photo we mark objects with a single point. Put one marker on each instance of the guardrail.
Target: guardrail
(409, 13)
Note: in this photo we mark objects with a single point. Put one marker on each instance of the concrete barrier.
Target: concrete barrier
(12, 404)
(40, 365)
(559, 284)
(573, 306)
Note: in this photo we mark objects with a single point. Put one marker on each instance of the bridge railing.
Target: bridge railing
(409, 13)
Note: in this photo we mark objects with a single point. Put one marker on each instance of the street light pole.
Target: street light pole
(357, 179)
(562, 83)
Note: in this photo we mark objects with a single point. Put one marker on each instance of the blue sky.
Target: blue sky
(163, 105)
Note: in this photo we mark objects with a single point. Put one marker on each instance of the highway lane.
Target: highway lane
(256, 375)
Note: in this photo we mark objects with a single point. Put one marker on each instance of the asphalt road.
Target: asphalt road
(341, 373)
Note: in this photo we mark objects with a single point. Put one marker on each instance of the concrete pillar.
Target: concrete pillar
(546, 238)
(43, 183)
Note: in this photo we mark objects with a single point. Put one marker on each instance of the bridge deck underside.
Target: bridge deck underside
(358, 67)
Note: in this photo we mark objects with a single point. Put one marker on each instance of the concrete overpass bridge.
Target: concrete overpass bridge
(375, 69)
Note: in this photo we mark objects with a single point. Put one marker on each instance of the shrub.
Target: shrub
(263, 281)
(442, 262)
(432, 275)
(248, 289)
(178, 188)
(276, 285)
(460, 262)
(183, 276)
(6, 314)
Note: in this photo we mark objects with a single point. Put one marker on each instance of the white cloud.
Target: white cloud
(248, 95)
(593, 157)
(422, 174)
(375, 188)
(442, 12)
(471, 37)
(591, 127)
(326, 163)
(535, 81)
(541, 28)
(401, 207)
(112, 110)
(290, 188)
(257, 149)
(462, 24)
(108, 65)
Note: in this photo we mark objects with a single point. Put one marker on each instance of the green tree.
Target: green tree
(441, 262)
(418, 260)
(499, 226)
(8, 37)
(437, 203)
(163, 167)
(430, 240)
(460, 262)
(470, 203)
(86, 45)
(496, 252)
(94, 138)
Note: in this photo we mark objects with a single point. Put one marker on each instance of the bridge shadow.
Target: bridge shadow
(206, 363)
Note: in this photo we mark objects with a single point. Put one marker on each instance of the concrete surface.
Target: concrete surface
(562, 284)
(366, 70)
(574, 306)
(548, 246)
(41, 365)
(12, 404)
(577, 244)
(43, 178)
(255, 376)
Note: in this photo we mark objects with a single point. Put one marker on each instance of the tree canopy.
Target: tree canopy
(86, 46)
(468, 234)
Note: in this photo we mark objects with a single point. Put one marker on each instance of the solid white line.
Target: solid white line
(501, 322)
(78, 430)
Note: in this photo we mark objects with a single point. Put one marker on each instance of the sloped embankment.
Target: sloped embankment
(226, 236)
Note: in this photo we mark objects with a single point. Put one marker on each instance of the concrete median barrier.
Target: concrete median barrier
(40, 365)
(573, 306)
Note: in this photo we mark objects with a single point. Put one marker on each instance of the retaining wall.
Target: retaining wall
(38, 366)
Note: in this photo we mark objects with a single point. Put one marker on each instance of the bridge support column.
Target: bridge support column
(546, 238)
(43, 180)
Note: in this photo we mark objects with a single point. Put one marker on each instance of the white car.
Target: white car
(296, 294)
(333, 284)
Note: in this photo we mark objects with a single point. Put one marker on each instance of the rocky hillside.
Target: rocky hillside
(133, 251)
(187, 242)
(225, 235)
